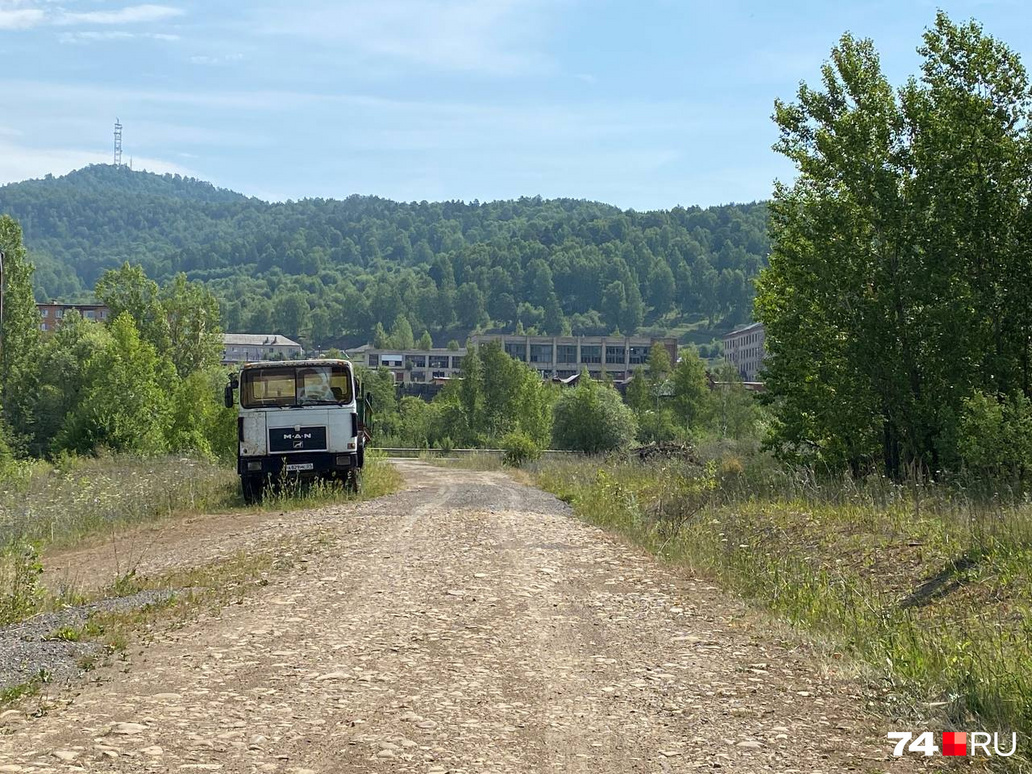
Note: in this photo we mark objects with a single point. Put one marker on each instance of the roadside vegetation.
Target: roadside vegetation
(927, 584)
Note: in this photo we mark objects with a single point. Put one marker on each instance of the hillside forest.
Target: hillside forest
(329, 272)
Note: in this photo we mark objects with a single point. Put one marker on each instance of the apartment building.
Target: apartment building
(253, 347)
(51, 315)
(744, 349)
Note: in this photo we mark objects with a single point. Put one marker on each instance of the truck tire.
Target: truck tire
(253, 489)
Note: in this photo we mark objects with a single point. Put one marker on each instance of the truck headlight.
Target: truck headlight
(343, 461)
(254, 466)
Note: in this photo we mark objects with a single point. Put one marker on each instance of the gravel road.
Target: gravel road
(466, 624)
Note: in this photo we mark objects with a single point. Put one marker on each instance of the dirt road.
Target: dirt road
(466, 624)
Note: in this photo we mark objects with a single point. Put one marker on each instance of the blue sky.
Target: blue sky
(644, 104)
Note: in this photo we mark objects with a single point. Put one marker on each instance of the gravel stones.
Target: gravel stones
(563, 650)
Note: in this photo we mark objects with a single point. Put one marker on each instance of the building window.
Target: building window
(615, 355)
(591, 354)
(438, 361)
(418, 376)
(566, 353)
(456, 361)
(516, 351)
(416, 361)
(540, 353)
(374, 361)
(639, 355)
(438, 374)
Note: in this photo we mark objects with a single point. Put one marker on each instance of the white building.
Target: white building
(252, 347)
(745, 351)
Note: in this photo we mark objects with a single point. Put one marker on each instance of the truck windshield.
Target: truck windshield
(292, 386)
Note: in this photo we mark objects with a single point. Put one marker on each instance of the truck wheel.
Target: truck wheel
(253, 489)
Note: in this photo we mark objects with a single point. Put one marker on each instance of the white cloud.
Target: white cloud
(21, 18)
(15, 15)
(133, 14)
(90, 36)
(490, 36)
(215, 61)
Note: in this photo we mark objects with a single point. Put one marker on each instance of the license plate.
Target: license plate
(298, 466)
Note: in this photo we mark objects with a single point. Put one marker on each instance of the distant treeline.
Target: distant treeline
(328, 271)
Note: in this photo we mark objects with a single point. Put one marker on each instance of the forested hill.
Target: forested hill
(331, 270)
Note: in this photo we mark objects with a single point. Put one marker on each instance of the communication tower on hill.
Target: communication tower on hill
(118, 143)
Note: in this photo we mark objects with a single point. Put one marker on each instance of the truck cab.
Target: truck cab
(302, 419)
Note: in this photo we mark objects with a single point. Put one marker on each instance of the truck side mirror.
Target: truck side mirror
(228, 396)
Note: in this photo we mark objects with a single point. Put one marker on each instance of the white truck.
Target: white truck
(299, 419)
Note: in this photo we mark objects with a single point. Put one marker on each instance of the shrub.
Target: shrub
(519, 449)
(592, 418)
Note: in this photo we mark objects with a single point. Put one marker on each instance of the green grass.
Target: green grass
(930, 587)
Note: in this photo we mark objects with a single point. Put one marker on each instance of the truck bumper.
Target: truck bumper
(308, 465)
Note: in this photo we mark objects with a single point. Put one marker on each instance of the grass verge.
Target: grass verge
(929, 587)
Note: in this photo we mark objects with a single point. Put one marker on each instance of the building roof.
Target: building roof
(747, 329)
(59, 305)
(257, 340)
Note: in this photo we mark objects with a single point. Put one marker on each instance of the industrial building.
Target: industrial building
(554, 357)
(744, 349)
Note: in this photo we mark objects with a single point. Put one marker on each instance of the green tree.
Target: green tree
(592, 418)
(194, 331)
(20, 343)
(125, 404)
(64, 377)
(661, 288)
(198, 420)
(614, 304)
(659, 364)
(889, 297)
(401, 334)
(292, 315)
(425, 342)
(639, 394)
(471, 393)
(128, 289)
(470, 305)
(734, 411)
(691, 391)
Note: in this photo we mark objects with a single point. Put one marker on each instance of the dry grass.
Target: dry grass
(48, 505)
